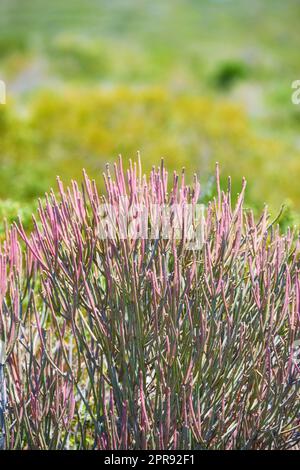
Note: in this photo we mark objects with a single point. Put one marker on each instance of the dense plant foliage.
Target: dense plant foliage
(134, 343)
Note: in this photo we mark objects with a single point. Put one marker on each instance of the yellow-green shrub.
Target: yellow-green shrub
(73, 128)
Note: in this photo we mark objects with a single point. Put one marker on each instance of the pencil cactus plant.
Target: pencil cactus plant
(119, 334)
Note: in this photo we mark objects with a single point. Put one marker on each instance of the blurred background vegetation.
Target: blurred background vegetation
(193, 81)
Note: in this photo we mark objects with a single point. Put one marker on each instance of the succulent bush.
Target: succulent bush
(135, 342)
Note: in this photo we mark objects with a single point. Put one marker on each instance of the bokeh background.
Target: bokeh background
(193, 81)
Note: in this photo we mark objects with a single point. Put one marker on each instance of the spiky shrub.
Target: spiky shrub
(144, 343)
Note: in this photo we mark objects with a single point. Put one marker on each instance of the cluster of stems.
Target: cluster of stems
(144, 343)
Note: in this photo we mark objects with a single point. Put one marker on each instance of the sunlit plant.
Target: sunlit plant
(146, 343)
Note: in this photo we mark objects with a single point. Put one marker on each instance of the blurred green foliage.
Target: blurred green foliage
(11, 211)
(194, 82)
(228, 73)
(60, 133)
